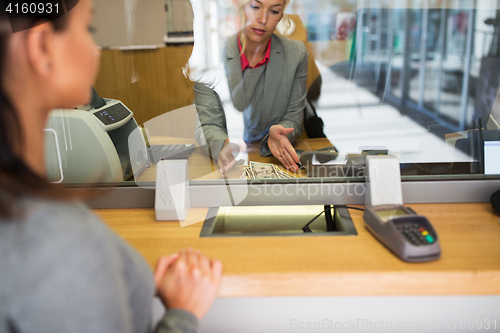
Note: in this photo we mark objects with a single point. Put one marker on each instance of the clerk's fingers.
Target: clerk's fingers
(223, 159)
(285, 151)
(289, 160)
(293, 158)
(288, 131)
(285, 131)
(222, 168)
(223, 163)
(293, 153)
(294, 167)
(227, 158)
(230, 165)
(281, 159)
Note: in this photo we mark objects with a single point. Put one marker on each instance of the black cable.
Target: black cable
(350, 207)
(328, 216)
(328, 209)
(306, 227)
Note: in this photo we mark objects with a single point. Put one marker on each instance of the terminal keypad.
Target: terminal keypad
(415, 233)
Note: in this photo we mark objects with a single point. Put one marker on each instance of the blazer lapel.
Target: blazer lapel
(234, 74)
(273, 78)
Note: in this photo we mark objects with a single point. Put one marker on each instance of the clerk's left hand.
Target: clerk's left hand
(281, 148)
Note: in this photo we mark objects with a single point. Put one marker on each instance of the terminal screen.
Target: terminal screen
(387, 214)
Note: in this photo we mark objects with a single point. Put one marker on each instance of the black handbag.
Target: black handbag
(313, 124)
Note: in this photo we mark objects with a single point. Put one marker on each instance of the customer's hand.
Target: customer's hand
(281, 148)
(188, 280)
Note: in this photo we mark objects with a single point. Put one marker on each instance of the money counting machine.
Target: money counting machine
(91, 144)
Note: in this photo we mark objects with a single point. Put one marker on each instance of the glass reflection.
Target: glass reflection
(267, 76)
(415, 79)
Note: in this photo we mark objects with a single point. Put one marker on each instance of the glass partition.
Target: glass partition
(414, 79)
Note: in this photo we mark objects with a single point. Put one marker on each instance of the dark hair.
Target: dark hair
(16, 178)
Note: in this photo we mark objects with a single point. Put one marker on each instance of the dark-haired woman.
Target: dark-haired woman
(61, 268)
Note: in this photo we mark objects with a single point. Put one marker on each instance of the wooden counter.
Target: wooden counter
(333, 265)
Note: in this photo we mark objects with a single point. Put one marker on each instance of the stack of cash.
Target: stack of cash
(264, 171)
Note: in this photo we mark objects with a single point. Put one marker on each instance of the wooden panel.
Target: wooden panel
(149, 82)
(346, 265)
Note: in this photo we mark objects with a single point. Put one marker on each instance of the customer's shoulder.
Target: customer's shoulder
(41, 222)
(65, 231)
(69, 216)
(43, 231)
(60, 248)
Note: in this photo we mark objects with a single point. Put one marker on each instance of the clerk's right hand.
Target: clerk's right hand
(188, 280)
(281, 148)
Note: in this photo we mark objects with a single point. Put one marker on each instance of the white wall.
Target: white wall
(129, 22)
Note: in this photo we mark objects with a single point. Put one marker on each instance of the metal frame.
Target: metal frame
(467, 66)
(341, 213)
(212, 194)
(423, 54)
(443, 28)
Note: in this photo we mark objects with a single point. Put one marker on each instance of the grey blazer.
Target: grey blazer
(283, 97)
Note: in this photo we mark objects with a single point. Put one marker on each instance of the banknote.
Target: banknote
(257, 170)
(263, 170)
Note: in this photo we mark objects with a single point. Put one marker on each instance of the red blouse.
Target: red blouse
(244, 61)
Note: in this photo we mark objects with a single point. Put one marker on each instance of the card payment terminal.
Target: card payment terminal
(408, 235)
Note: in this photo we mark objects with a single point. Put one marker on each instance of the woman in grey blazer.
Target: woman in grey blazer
(267, 77)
